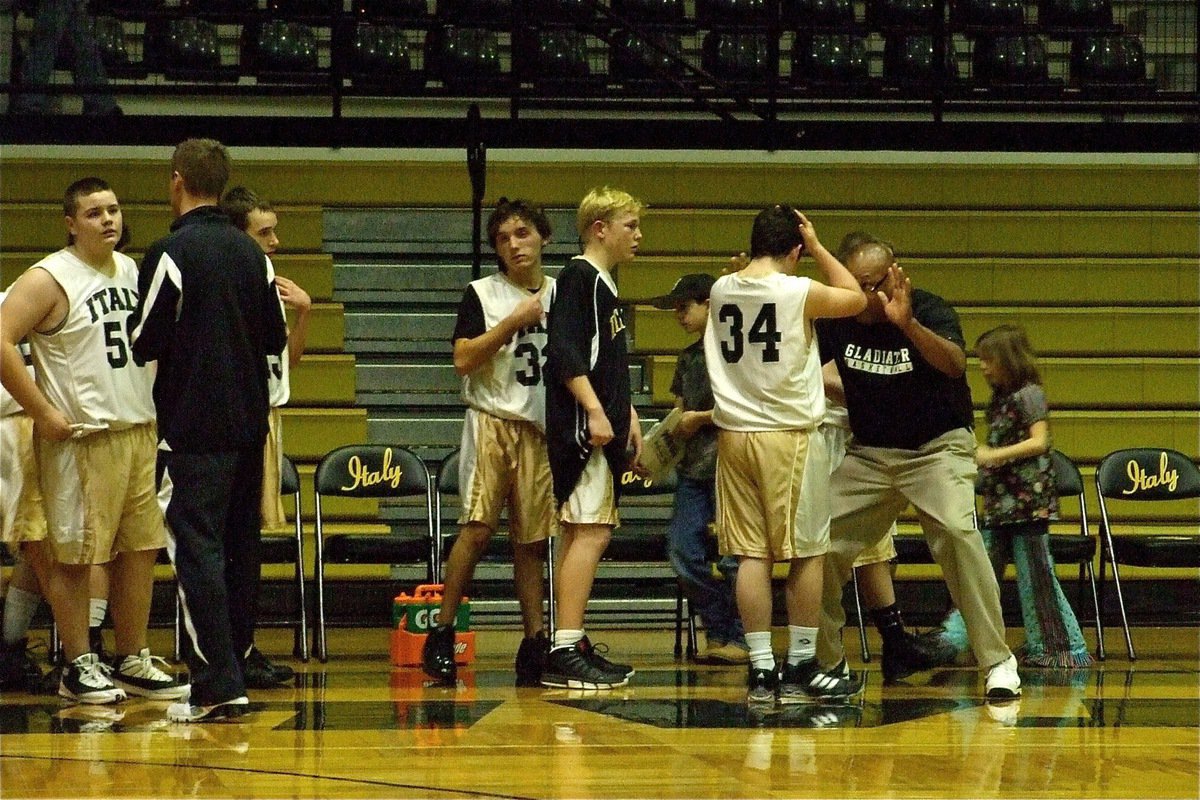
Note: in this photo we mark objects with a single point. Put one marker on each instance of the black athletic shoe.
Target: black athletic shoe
(805, 681)
(258, 672)
(437, 656)
(907, 655)
(762, 685)
(85, 680)
(571, 668)
(531, 659)
(595, 654)
(19, 671)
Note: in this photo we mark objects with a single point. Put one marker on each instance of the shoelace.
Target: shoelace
(95, 675)
(145, 668)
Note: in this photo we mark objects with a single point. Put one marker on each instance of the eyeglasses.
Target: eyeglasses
(878, 283)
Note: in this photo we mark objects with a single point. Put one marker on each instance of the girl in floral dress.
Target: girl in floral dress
(1016, 481)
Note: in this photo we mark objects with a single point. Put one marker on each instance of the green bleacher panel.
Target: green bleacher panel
(312, 271)
(39, 227)
(706, 232)
(309, 433)
(323, 380)
(1104, 382)
(704, 184)
(980, 281)
(326, 328)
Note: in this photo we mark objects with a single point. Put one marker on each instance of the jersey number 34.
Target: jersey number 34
(763, 332)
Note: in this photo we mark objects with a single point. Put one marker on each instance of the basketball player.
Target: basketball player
(591, 425)
(499, 341)
(256, 217)
(772, 467)
(209, 314)
(94, 420)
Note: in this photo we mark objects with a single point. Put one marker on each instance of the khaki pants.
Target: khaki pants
(870, 489)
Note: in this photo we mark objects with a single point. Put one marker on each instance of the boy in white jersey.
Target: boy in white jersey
(255, 216)
(499, 341)
(772, 471)
(94, 420)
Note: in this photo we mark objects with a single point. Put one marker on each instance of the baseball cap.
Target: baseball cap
(690, 287)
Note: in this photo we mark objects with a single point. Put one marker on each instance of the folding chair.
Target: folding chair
(379, 471)
(1078, 548)
(276, 549)
(641, 546)
(289, 549)
(446, 483)
(1144, 474)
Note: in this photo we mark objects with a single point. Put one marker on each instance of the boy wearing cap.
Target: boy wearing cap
(695, 502)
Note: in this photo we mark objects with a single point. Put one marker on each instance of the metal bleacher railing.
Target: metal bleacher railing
(726, 59)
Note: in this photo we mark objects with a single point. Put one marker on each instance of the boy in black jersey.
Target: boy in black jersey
(591, 424)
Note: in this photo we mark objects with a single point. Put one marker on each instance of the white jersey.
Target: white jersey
(84, 366)
(509, 385)
(762, 355)
(279, 387)
(8, 404)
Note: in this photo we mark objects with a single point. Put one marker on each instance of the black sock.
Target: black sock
(889, 623)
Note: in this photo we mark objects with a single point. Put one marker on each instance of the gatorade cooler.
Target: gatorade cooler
(413, 616)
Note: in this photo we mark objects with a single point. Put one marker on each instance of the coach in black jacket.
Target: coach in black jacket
(209, 314)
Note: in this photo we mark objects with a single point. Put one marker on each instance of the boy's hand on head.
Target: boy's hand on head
(737, 263)
(808, 233)
(292, 295)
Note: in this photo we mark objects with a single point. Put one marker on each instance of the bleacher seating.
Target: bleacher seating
(1049, 50)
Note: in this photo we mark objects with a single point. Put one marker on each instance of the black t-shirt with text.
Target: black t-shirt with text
(894, 397)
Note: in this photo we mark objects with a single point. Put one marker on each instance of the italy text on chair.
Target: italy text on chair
(1143, 475)
(371, 471)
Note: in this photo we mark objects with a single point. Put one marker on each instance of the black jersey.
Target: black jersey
(586, 337)
(210, 315)
(894, 396)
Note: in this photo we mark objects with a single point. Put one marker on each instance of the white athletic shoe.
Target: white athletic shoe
(1003, 682)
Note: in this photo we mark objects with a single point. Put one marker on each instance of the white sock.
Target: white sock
(761, 655)
(19, 607)
(565, 637)
(802, 644)
(97, 608)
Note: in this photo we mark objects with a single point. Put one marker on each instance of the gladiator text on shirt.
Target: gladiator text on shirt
(877, 361)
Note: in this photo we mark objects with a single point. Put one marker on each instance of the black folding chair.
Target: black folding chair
(378, 471)
(1145, 474)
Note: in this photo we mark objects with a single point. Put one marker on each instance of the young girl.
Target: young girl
(1016, 482)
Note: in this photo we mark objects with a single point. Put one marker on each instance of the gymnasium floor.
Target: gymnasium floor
(356, 727)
